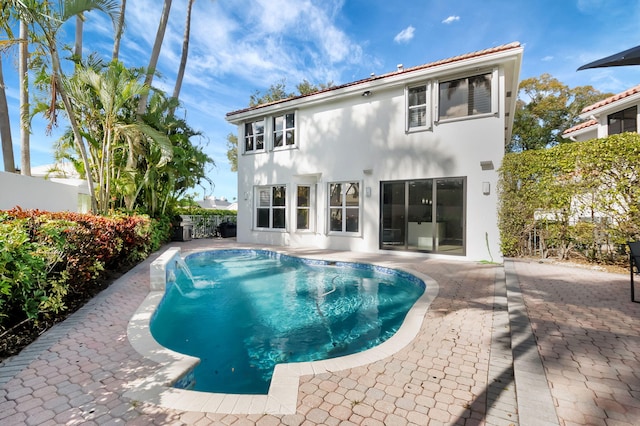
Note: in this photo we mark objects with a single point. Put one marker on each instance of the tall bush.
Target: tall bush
(581, 197)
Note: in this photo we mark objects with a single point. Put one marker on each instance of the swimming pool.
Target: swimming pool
(247, 310)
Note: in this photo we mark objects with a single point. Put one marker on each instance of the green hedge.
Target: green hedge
(48, 258)
(586, 195)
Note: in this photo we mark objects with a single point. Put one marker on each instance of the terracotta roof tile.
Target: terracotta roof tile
(612, 99)
(465, 56)
(581, 126)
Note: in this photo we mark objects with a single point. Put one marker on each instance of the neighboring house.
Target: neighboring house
(405, 161)
(217, 204)
(613, 115)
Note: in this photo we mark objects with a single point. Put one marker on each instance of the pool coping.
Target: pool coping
(282, 397)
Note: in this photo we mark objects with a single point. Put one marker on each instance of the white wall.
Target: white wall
(36, 193)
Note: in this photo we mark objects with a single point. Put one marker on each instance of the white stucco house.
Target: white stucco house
(610, 116)
(405, 161)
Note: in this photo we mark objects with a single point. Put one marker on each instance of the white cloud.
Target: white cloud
(451, 19)
(547, 58)
(405, 35)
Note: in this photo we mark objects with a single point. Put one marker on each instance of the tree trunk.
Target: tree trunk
(119, 30)
(25, 149)
(183, 58)
(155, 54)
(77, 50)
(5, 128)
(77, 137)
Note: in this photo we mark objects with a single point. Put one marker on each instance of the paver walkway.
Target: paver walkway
(570, 333)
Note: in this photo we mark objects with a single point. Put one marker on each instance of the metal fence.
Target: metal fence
(207, 226)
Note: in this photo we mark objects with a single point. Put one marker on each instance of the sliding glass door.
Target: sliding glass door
(423, 215)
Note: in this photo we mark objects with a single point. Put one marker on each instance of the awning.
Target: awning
(627, 57)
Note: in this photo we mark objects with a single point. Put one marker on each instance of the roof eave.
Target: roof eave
(398, 78)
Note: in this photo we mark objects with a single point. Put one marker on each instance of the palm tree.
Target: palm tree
(183, 57)
(49, 23)
(155, 54)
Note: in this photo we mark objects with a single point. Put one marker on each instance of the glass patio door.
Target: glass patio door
(423, 215)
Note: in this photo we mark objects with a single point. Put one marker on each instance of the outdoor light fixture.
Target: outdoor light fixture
(366, 93)
(486, 188)
(367, 191)
(486, 165)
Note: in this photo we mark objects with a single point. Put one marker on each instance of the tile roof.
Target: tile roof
(581, 126)
(612, 99)
(458, 58)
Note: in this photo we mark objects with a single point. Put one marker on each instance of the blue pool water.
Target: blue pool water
(245, 311)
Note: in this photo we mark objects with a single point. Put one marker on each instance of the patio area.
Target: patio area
(524, 343)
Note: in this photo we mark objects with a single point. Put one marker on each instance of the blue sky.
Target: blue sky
(239, 46)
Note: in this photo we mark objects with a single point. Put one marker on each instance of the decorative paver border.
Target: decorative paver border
(283, 392)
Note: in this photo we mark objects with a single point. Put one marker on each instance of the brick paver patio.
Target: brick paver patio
(525, 343)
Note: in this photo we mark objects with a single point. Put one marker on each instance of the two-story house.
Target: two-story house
(610, 116)
(405, 161)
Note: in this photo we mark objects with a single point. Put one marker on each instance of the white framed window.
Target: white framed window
(466, 97)
(344, 207)
(254, 136)
(271, 207)
(418, 107)
(305, 207)
(284, 129)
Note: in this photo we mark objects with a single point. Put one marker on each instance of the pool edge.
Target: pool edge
(282, 398)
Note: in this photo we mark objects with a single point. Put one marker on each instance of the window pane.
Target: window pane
(335, 191)
(278, 218)
(248, 144)
(291, 121)
(260, 142)
(480, 95)
(454, 97)
(303, 196)
(335, 220)
(263, 218)
(248, 129)
(279, 195)
(303, 219)
(265, 199)
(417, 96)
(353, 194)
(418, 117)
(290, 137)
(352, 220)
(258, 127)
(277, 139)
(277, 123)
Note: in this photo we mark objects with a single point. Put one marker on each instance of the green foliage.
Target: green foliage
(545, 108)
(47, 257)
(204, 212)
(586, 196)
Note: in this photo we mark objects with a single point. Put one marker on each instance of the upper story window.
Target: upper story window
(270, 133)
(284, 127)
(344, 207)
(417, 107)
(254, 136)
(623, 121)
(465, 97)
(271, 207)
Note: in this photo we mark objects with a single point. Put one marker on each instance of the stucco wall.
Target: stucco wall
(36, 193)
(363, 139)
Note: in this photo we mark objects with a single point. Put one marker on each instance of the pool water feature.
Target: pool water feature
(244, 311)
